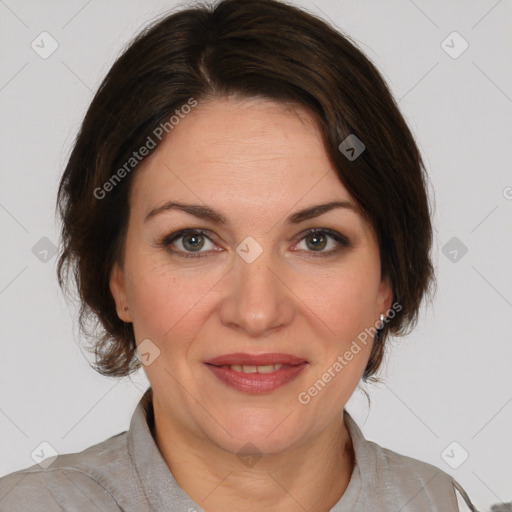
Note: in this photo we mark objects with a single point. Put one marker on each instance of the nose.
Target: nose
(258, 301)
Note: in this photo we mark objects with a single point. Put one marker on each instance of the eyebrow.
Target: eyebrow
(207, 213)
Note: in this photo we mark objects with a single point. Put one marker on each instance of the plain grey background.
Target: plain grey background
(447, 382)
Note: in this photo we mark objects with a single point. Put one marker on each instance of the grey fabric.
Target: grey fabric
(127, 472)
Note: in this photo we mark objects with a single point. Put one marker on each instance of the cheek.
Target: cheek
(344, 298)
(166, 303)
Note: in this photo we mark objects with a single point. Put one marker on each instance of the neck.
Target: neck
(312, 476)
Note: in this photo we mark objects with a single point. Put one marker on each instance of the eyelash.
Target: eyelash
(338, 237)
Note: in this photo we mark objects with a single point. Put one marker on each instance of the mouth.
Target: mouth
(266, 368)
(253, 373)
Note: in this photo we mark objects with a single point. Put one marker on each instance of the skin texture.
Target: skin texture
(257, 162)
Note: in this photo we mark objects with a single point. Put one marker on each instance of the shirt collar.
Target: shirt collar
(163, 492)
(161, 489)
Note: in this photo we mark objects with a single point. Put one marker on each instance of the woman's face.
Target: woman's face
(254, 284)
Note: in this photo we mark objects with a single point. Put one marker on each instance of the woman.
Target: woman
(245, 213)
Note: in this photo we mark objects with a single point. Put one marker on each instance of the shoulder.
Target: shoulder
(88, 478)
(402, 466)
(418, 484)
(26, 490)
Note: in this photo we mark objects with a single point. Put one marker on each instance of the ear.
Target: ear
(118, 290)
(384, 297)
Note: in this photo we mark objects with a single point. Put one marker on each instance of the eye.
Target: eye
(317, 239)
(190, 240)
(193, 240)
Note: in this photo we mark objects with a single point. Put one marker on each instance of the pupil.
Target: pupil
(193, 236)
(316, 236)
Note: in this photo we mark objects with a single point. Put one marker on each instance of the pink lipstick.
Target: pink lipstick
(256, 373)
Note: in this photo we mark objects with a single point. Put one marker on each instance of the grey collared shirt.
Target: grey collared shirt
(127, 472)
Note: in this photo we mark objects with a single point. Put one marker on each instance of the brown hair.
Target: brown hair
(248, 48)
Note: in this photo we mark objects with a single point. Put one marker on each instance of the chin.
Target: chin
(270, 432)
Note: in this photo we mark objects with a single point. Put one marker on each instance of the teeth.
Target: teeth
(269, 368)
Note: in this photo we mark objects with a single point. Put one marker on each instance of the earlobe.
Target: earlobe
(117, 288)
(385, 296)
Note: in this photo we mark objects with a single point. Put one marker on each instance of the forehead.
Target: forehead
(256, 152)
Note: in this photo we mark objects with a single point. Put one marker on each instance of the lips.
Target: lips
(242, 359)
(256, 373)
